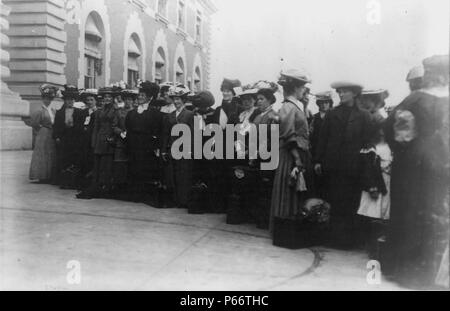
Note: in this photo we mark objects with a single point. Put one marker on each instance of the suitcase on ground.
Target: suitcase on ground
(297, 234)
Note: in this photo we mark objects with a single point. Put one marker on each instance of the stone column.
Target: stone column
(37, 41)
(14, 134)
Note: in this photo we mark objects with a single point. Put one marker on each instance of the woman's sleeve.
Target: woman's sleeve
(293, 123)
(35, 120)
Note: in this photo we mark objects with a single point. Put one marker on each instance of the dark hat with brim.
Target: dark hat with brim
(70, 92)
(357, 87)
(323, 98)
(129, 93)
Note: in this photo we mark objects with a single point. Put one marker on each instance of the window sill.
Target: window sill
(162, 19)
(181, 33)
(198, 44)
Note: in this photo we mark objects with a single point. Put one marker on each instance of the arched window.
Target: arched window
(94, 50)
(160, 62)
(179, 71)
(134, 69)
(197, 79)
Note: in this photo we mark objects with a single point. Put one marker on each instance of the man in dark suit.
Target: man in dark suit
(345, 131)
(182, 168)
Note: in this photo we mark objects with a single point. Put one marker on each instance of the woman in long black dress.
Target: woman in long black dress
(418, 133)
(103, 146)
(182, 168)
(68, 134)
(143, 126)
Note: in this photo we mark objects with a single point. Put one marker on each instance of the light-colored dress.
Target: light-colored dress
(43, 160)
(379, 208)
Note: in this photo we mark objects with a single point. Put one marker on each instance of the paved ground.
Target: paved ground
(128, 246)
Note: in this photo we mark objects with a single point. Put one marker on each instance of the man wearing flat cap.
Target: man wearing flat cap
(345, 131)
(417, 131)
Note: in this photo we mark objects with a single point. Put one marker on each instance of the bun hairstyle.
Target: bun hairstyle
(268, 94)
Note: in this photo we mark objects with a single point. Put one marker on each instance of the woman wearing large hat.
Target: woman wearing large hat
(345, 131)
(231, 107)
(205, 178)
(143, 134)
(291, 184)
(103, 147)
(68, 133)
(43, 160)
(90, 98)
(267, 116)
(182, 168)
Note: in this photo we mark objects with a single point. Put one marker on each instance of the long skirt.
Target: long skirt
(182, 172)
(43, 160)
(103, 169)
(344, 194)
(286, 200)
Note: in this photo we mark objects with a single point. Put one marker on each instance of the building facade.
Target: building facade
(93, 43)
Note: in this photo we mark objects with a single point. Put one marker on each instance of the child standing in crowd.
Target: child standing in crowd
(375, 198)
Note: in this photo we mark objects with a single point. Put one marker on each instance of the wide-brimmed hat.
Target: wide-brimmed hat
(204, 99)
(106, 90)
(229, 84)
(88, 93)
(179, 91)
(379, 95)
(70, 92)
(357, 87)
(382, 93)
(129, 93)
(324, 97)
(253, 92)
(294, 74)
(48, 90)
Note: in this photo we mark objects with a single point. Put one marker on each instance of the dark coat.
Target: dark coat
(120, 152)
(419, 218)
(344, 133)
(70, 147)
(143, 141)
(314, 136)
(103, 134)
(182, 169)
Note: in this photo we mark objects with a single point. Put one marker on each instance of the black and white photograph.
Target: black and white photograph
(224, 146)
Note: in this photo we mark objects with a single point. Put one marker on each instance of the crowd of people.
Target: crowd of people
(348, 175)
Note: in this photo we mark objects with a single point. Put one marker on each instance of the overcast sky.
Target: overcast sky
(330, 39)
